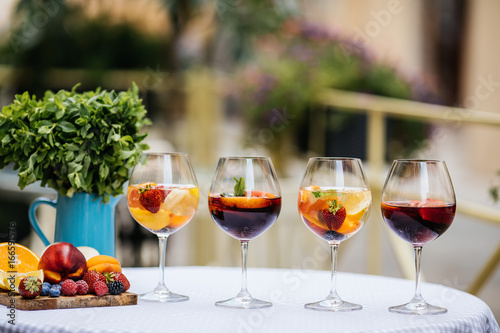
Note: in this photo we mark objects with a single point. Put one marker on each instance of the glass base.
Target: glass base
(333, 305)
(244, 303)
(417, 309)
(163, 296)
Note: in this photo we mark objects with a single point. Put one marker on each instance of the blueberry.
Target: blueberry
(57, 286)
(54, 292)
(45, 290)
(46, 284)
(331, 235)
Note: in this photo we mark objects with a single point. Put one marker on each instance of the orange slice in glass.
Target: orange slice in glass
(152, 221)
(245, 202)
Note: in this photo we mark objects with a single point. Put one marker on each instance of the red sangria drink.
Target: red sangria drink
(418, 221)
(244, 201)
(245, 218)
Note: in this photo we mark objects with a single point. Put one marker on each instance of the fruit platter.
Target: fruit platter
(63, 277)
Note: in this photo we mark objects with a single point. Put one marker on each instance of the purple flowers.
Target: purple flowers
(302, 58)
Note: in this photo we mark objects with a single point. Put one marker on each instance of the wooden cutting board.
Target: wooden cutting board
(67, 302)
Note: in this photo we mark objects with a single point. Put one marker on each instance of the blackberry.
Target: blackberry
(115, 287)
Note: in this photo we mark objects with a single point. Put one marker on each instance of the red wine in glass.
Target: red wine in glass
(418, 205)
(244, 201)
(244, 218)
(418, 223)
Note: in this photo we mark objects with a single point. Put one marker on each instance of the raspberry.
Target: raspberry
(115, 287)
(100, 288)
(68, 288)
(82, 287)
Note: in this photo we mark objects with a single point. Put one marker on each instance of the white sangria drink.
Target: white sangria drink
(334, 214)
(162, 209)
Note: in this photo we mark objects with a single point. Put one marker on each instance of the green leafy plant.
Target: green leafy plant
(74, 142)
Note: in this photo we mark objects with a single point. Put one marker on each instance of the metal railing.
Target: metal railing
(377, 110)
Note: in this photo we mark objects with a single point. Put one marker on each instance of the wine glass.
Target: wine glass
(418, 205)
(163, 197)
(334, 202)
(244, 201)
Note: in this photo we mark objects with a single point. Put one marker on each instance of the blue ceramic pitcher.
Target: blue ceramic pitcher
(81, 220)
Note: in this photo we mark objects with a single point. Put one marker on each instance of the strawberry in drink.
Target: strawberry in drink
(334, 214)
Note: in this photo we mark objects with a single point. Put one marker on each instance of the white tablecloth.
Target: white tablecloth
(289, 290)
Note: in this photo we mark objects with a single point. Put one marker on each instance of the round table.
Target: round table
(288, 289)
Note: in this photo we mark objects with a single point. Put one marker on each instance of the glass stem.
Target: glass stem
(244, 253)
(417, 298)
(163, 247)
(333, 280)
